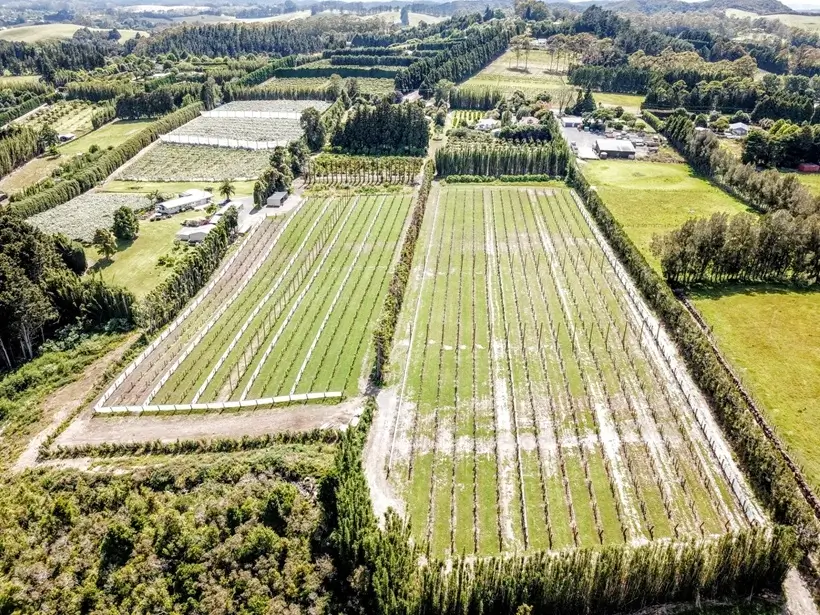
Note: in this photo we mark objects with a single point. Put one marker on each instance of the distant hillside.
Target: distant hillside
(761, 7)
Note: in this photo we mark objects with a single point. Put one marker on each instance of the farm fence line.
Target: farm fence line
(222, 142)
(174, 324)
(273, 115)
(264, 402)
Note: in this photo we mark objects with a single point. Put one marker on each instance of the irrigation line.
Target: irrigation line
(296, 304)
(333, 303)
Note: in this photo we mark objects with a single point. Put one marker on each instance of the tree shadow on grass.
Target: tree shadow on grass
(714, 292)
(103, 263)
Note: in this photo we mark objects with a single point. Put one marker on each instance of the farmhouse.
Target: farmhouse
(571, 121)
(195, 234)
(277, 199)
(185, 201)
(614, 148)
(739, 129)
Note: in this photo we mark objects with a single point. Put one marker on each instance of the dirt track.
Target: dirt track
(90, 429)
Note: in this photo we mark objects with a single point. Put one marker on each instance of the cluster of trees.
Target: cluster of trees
(275, 38)
(239, 535)
(784, 145)
(365, 60)
(190, 274)
(610, 79)
(480, 46)
(268, 71)
(41, 291)
(12, 113)
(384, 128)
(145, 104)
(357, 170)
(285, 164)
(474, 98)
(97, 90)
(497, 160)
(112, 159)
(18, 145)
(775, 247)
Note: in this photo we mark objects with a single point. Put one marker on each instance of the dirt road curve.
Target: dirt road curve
(58, 406)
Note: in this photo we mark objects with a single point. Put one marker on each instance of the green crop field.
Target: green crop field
(109, 135)
(300, 322)
(650, 198)
(532, 401)
(543, 71)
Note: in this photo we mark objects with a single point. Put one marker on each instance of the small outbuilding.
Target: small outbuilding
(739, 129)
(528, 121)
(808, 167)
(195, 234)
(614, 148)
(185, 201)
(277, 199)
(572, 121)
(487, 124)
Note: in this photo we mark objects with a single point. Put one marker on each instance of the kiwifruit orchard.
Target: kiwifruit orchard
(291, 312)
(534, 401)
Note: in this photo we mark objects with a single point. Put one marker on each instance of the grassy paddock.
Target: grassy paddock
(242, 188)
(109, 135)
(771, 335)
(135, 266)
(651, 198)
(55, 31)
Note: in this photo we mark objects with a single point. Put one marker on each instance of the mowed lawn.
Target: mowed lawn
(771, 335)
(811, 181)
(134, 266)
(110, 134)
(650, 198)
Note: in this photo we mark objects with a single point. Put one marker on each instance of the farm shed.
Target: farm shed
(571, 121)
(277, 199)
(486, 124)
(739, 129)
(528, 121)
(185, 201)
(808, 167)
(614, 148)
(195, 234)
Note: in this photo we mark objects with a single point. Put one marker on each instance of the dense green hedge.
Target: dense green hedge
(766, 469)
(274, 91)
(386, 327)
(261, 75)
(107, 164)
(30, 105)
(497, 160)
(366, 72)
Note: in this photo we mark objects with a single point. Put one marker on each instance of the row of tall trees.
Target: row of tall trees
(490, 160)
(384, 128)
(774, 247)
(370, 60)
(41, 291)
(765, 191)
(145, 104)
(610, 79)
(474, 98)
(18, 145)
(480, 45)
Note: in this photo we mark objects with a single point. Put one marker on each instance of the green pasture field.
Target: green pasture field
(30, 173)
(541, 72)
(304, 321)
(811, 181)
(804, 22)
(112, 134)
(527, 401)
(134, 266)
(650, 198)
(54, 31)
(771, 335)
